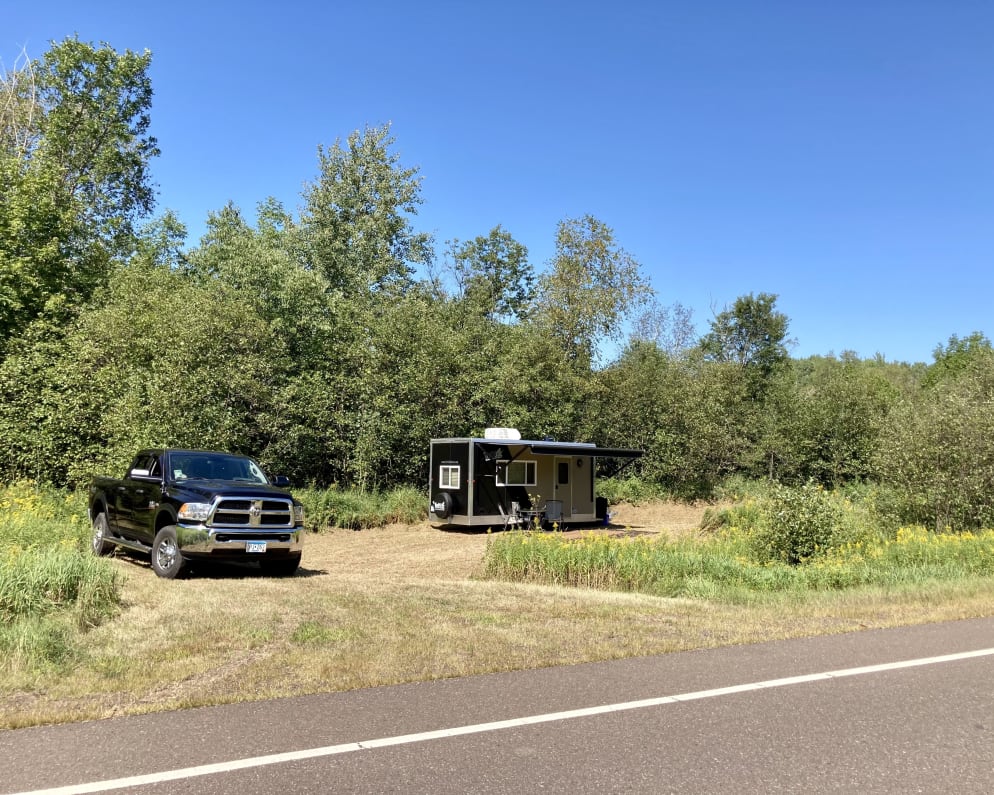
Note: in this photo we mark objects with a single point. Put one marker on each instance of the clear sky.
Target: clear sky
(839, 153)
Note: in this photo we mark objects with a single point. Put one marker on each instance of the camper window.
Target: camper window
(448, 476)
(516, 473)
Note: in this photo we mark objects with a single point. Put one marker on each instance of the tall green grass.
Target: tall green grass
(42, 581)
(51, 587)
(725, 568)
(784, 541)
(359, 510)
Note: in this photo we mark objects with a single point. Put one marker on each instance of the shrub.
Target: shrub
(748, 516)
(936, 453)
(800, 522)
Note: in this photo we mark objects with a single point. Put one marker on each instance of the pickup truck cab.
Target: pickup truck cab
(186, 505)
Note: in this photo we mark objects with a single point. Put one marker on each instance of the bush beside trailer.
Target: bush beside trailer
(501, 479)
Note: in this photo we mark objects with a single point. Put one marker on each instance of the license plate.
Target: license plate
(255, 546)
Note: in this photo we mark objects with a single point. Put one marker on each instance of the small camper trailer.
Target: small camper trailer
(504, 480)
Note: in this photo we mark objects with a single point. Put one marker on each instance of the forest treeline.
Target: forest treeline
(334, 341)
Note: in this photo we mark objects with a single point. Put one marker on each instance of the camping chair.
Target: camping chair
(513, 517)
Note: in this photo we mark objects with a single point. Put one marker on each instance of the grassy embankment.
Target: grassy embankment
(95, 637)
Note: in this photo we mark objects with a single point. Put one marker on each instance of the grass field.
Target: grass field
(406, 603)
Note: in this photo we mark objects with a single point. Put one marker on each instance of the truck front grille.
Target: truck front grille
(241, 512)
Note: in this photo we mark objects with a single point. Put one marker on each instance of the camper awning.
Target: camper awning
(600, 452)
(551, 448)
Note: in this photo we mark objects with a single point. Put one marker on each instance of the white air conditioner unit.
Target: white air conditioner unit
(507, 434)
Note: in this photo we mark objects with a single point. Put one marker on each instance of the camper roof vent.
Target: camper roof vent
(502, 433)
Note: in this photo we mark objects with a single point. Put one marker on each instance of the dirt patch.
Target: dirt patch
(419, 551)
(674, 519)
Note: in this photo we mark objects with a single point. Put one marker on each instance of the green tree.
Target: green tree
(493, 274)
(936, 451)
(592, 283)
(751, 333)
(162, 360)
(266, 265)
(356, 218)
(956, 356)
(842, 407)
(310, 423)
(74, 174)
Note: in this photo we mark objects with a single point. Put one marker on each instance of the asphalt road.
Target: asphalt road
(814, 715)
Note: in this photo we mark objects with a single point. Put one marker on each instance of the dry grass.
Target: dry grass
(401, 604)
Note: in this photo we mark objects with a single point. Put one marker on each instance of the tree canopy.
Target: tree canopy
(74, 175)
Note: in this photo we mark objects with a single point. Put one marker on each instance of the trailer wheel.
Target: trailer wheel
(441, 505)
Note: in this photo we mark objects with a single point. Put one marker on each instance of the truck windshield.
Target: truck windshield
(215, 466)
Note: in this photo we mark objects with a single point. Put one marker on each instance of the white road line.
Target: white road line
(478, 728)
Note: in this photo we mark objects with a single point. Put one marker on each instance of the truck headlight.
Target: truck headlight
(195, 511)
(298, 514)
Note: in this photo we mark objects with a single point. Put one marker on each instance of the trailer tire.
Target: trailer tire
(441, 505)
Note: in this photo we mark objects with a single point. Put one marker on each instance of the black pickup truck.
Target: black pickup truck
(186, 505)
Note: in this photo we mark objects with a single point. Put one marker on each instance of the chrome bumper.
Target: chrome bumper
(203, 540)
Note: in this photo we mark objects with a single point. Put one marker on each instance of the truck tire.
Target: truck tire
(167, 560)
(101, 532)
(280, 567)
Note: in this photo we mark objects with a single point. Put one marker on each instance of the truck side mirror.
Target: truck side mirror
(281, 481)
(142, 474)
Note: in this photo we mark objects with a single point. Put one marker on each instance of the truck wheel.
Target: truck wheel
(280, 567)
(167, 560)
(101, 532)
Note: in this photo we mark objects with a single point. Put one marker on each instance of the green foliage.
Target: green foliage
(633, 489)
(51, 587)
(691, 417)
(842, 408)
(493, 275)
(800, 523)
(357, 510)
(591, 284)
(958, 356)
(74, 175)
(356, 221)
(164, 361)
(751, 333)
(937, 452)
(723, 567)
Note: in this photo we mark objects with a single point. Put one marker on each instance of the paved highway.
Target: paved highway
(903, 710)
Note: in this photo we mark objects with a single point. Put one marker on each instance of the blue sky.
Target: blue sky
(839, 154)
